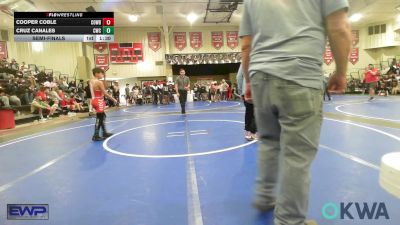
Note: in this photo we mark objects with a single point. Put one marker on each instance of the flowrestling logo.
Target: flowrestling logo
(27, 211)
(355, 211)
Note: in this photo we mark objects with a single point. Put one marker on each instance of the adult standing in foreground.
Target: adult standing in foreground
(282, 47)
(182, 86)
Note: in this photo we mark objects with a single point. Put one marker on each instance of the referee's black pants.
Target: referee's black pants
(183, 99)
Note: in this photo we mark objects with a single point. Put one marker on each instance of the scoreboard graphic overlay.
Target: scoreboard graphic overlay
(64, 26)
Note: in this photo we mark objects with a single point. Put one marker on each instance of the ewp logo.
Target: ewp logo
(27, 212)
(351, 210)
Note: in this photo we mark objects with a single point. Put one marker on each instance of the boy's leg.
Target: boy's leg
(103, 126)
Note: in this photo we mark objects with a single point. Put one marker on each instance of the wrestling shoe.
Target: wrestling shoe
(97, 138)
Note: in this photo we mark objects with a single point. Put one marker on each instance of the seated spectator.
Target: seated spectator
(11, 92)
(14, 65)
(23, 92)
(88, 97)
(23, 67)
(382, 88)
(64, 101)
(72, 85)
(395, 85)
(3, 62)
(52, 94)
(4, 100)
(40, 103)
(62, 84)
(74, 105)
(81, 90)
(394, 68)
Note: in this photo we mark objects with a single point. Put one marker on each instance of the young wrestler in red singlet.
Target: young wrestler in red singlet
(98, 92)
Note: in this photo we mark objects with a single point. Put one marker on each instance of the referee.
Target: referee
(182, 86)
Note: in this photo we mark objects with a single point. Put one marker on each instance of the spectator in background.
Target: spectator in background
(383, 88)
(14, 65)
(72, 84)
(52, 94)
(229, 92)
(23, 92)
(32, 89)
(41, 76)
(218, 94)
(160, 86)
(394, 69)
(371, 79)
(81, 89)
(23, 67)
(127, 94)
(154, 91)
(88, 95)
(235, 92)
(40, 103)
(395, 85)
(74, 105)
(213, 91)
(135, 94)
(116, 93)
(63, 84)
(250, 128)
(147, 93)
(64, 101)
(224, 90)
(166, 94)
(3, 62)
(196, 90)
(11, 91)
(5, 101)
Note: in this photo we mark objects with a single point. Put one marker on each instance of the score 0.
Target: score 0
(108, 21)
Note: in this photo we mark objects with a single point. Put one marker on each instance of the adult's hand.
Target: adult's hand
(337, 84)
(247, 95)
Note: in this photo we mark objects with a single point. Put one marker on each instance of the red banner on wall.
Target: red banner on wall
(354, 56)
(232, 39)
(100, 46)
(355, 37)
(126, 52)
(217, 39)
(328, 56)
(3, 50)
(196, 40)
(101, 61)
(154, 39)
(180, 40)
